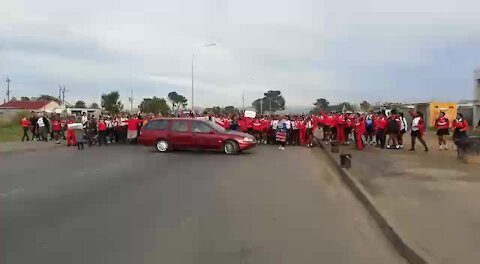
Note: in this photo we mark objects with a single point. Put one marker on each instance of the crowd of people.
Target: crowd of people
(80, 129)
(376, 129)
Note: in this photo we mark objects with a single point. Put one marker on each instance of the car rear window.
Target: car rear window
(157, 125)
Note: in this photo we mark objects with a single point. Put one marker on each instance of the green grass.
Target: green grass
(10, 132)
(10, 129)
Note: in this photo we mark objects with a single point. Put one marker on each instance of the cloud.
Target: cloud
(344, 50)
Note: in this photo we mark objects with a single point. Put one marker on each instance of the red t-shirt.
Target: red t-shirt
(442, 123)
(102, 126)
(56, 126)
(381, 123)
(24, 123)
(257, 126)
(132, 124)
(249, 122)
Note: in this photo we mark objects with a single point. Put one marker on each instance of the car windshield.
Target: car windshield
(216, 126)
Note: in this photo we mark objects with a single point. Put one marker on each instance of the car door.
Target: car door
(204, 136)
(181, 134)
(153, 131)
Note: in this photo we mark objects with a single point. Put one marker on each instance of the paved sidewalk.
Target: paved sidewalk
(430, 199)
(13, 147)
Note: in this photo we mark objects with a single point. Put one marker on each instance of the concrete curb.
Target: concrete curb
(406, 251)
(31, 149)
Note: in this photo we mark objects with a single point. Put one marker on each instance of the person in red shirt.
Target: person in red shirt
(56, 129)
(71, 139)
(132, 125)
(242, 124)
(349, 125)
(360, 129)
(102, 131)
(257, 129)
(249, 125)
(442, 125)
(265, 127)
(380, 129)
(460, 128)
(302, 128)
(25, 123)
(340, 129)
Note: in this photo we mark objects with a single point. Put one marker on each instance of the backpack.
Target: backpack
(393, 126)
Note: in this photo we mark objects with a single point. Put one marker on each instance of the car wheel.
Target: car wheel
(230, 147)
(162, 145)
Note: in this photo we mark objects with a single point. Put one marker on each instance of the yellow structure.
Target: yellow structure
(431, 111)
(450, 110)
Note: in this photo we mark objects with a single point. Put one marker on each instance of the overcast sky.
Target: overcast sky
(344, 50)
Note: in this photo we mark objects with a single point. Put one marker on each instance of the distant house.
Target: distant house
(36, 106)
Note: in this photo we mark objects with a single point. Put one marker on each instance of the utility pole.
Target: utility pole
(8, 89)
(131, 101)
(261, 106)
(243, 101)
(61, 93)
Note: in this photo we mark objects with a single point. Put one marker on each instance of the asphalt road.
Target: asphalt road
(127, 204)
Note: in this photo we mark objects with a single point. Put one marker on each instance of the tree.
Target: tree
(365, 106)
(320, 105)
(154, 105)
(272, 101)
(94, 106)
(111, 102)
(14, 99)
(231, 110)
(341, 107)
(177, 101)
(46, 97)
(80, 104)
(24, 98)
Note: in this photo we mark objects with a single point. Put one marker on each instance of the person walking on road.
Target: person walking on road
(418, 127)
(403, 129)
(460, 127)
(25, 123)
(42, 127)
(442, 125)
(102, 132)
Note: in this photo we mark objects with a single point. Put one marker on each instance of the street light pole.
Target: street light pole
(8, 89)
(193, 63)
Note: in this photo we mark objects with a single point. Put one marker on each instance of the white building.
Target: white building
(476, 100)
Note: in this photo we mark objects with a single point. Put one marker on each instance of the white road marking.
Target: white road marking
(12, 192)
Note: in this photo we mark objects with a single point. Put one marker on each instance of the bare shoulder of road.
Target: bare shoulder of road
(127, 204)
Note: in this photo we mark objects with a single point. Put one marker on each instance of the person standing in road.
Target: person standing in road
(403, 129)
(281, 133)
(442, 125)
(102, 132)
(25, 123)
(42, 125)
(309, 131)
(460, 127)
(56, 129)
(381, 124)
(418, 127)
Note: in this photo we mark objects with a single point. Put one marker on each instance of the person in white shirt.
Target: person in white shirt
(403, 129)
(42, 128)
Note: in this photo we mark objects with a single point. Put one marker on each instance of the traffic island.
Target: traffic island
(425, 203)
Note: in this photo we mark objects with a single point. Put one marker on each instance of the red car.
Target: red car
(182, 133)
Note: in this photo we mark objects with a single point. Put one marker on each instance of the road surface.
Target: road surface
(128, 204)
